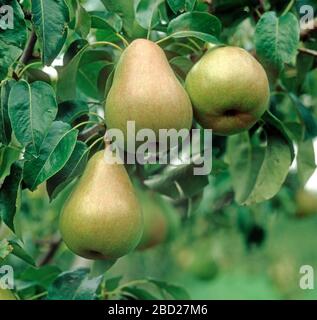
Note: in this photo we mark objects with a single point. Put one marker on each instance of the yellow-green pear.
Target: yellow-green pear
(306, 203)
(146, 90)
(160, 220)
(6, 294)
(229, 90)
(102, 218)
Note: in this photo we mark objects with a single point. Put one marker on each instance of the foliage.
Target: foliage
(56, 70)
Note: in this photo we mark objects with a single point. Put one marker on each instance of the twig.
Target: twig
(51, 252)
(96, 129)
(308, 51)
(28, 51)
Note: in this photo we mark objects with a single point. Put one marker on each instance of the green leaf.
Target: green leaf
(9, 194)
(83, 22)
(113, 283)
(19, 252)
(306, 163)
(8, 155)
(73, 168)
(138, 293)
(258, 168)
(146, 12)
(277, 38)
(176, 292)
(42, 276)
(69, 111)
(32, 109)
(306, 116)
(199, 35)
(8, 55)
(101, 19)
(105, 78)
(66, 85)
(196, 21)
(176, 5)
(17, 36)
(54, 153)
(50, 19)
(74, 285)
(5, 125)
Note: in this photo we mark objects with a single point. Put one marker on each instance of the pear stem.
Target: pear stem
(106, 43)
(124, 40)
(163, 39)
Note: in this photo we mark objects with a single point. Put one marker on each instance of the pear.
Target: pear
(229, 90)
(102, 218)
(146, 90)
(6, 294)
(160, 220)
(306, 203)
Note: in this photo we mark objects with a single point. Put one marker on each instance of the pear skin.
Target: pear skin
(146, 90)
(229, 90)
(102, 218)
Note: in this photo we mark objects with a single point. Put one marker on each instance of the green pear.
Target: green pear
(229, 90)
(197, 260)
(6, 294)
(102, 218)
(306, 202)
(146, 90)
(160, 220)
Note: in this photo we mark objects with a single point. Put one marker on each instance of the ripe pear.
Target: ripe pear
(229, 90)
(160, 219)
(146, 90)
(102, 218)
(6, 294)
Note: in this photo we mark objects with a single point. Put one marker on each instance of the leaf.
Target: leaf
(8, 55)
(277, 38)
(66, 85)
(83, 22)
(113, 283)
(9, 193)
(73, 168)
(138, 293)
(8, 155)
(306, 116)
(306, 163)
(176, 292)
(146, 12)
(54, 153)
(50, 19)
(258, 168)
(74, 285)
(42, 276)
(196, 21)
(5, 249)
(19, 252)
(199, 35)
(5, 125)
(176, 5)
(32, 109)
(69, 111)
(17, 36)
(111, 19)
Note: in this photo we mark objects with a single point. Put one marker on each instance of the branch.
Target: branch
(51, 252)
(308, 52)
(28, 51)
(96, 129)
